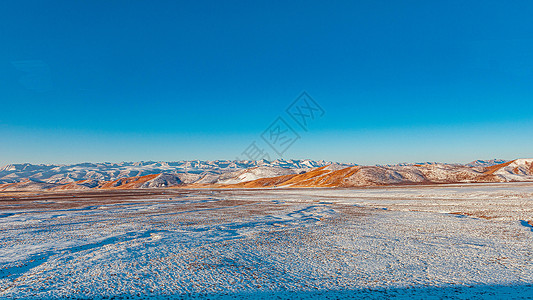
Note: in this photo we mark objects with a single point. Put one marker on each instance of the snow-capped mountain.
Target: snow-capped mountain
(196, 171)
(435, 173)
(486, 163)
(253, 174)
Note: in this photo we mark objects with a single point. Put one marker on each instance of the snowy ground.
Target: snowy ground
(470, 241)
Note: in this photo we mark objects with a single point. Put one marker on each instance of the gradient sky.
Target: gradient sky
(399, 81)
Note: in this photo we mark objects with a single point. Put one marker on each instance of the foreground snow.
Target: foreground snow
(441, 241)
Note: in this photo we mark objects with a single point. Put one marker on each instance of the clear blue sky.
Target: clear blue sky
(399, 81)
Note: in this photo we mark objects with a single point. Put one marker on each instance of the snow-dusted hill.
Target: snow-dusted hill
(196, 171)
(253, 174)
(429, 173)
(517, 170)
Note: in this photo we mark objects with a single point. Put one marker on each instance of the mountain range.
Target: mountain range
(253, 174)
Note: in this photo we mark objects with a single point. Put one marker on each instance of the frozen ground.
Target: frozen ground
(470, 241)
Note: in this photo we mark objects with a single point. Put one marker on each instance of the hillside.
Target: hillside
(254, 174)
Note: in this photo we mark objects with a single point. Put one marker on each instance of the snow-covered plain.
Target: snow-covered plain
(456, 241)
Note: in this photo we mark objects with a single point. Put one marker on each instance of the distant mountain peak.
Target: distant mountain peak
(486, 163)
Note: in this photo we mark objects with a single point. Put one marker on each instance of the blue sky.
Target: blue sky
(399, 81)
